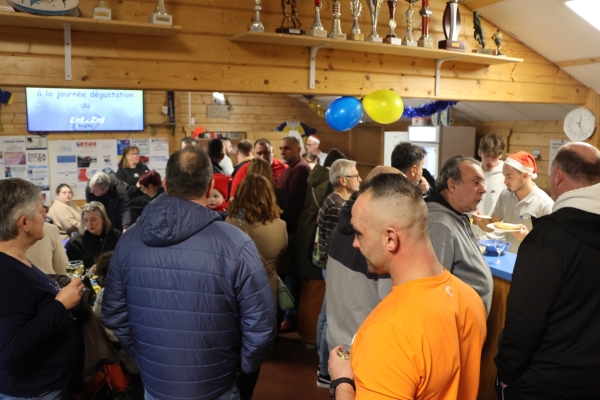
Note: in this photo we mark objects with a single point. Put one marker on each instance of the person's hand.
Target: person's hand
(480, 222)
(92, 271)
(338, 367)
(71, 294)
(423, 185)
(520, 235)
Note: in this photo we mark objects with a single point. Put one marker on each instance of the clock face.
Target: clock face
(580, 123)
(447, 116)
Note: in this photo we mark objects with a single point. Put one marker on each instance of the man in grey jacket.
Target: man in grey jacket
(459, 189)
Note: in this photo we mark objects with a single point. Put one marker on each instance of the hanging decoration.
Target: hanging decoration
(316, 107)
(427, 109)
(344, 113)
(383, 106)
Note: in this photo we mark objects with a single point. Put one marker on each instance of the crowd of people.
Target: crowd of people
(385, 272)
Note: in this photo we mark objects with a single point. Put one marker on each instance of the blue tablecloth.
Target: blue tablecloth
(503, 270)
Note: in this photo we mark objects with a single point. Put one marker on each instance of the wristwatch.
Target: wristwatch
(334, 383)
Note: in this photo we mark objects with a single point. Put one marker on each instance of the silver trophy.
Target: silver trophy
(409, 40)
(356, 9)
(317, 28)
(160, 16)
(374, 8)
(336, 30)
(257, 26)
(101, 11)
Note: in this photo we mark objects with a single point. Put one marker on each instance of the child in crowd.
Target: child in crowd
(219, 194)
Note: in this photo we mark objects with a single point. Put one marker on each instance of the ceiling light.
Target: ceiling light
(586, 9)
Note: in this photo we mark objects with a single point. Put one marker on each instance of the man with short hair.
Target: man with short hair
(264, 150)
(244, 155)
(216, 152)
(410, 159)
(112, 193)
(312, 147)
(226, 164)
(423, 340)
(190, 302)
(188, 141)
(551, 340)
(521, 201)
(458, 191)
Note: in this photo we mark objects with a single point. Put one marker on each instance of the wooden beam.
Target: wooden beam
(476, 4)
(578, 62)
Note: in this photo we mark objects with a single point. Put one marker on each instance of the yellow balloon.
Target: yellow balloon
(383, 106)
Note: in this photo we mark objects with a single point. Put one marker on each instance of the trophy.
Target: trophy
(374, 8)
(425, 40)
(451, 28)
(479, 35)
(257, 26)
(497, 38)
(101, 11)
(356, 9)
(409, 41)
(160, 16)
(290, 19)
(317, 28)
(336, 29)
(391, 37)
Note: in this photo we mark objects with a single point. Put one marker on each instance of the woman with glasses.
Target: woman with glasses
(97, 236)
(151, 185)
(130, 170)
(65, 214)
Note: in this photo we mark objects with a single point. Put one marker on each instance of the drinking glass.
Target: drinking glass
(500, 245)
(75, 269)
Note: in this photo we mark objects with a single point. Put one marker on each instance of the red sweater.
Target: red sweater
(277, 167)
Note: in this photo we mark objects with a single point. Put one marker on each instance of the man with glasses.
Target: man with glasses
(312, 147)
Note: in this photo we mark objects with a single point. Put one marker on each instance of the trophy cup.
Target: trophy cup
(101, 11)
(425, 40)
(336, 29)
(160, 16)
(409, 40)
(356, 9)
(257, 26)
(451, 28)
(374, 8)
(317, 28)
(497, 38)
(290, 19)
(479, 35)
(391, 37)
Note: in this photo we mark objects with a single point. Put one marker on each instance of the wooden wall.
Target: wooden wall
(202, 57)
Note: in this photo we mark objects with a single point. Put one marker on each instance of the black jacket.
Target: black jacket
(116, 202)
(552, 334)
(88, 247)
(131, 176)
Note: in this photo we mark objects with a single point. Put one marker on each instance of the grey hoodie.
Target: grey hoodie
(456, 249)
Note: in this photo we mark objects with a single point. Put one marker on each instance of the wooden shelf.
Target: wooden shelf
(86, 24)
(368, 47)
(154, 125)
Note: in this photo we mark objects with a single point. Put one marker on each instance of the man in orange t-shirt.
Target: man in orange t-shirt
(424, 340)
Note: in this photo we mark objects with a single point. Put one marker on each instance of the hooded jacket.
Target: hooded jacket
(552, 334)
(188, 297)
(116, 202)
(456, 247)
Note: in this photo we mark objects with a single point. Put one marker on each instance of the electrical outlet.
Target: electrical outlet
(165, 110)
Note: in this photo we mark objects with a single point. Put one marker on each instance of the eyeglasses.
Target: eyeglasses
(352, 176)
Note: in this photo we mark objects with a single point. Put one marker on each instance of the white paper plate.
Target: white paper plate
(480, 216)
(491, 226)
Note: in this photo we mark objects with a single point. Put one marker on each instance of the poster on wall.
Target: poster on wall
(26, 157)
(154, 152)
(74, 162)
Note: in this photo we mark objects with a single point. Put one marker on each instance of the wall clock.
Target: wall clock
(580, 124)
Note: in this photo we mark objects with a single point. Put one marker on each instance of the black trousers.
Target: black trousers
(522, 390)
(246, 384)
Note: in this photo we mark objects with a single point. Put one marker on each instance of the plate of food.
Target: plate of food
(504, 227)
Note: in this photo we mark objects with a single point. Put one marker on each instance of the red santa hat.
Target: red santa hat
(222, 185)
(313, 138)
(524, 162)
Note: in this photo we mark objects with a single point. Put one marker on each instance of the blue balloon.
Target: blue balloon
(344, 113)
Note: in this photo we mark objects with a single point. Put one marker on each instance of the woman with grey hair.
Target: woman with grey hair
(39, 338)
(96, 235)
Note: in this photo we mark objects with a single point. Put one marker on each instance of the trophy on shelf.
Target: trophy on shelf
(374, 8)
(317, 28)
(409, 40)
(336, 29)
(391, 37)
(356, 9)
(160, 16)
(497, 38)
(257, 25)
(451, 21)
(425, 40)
(479, 35)
(290, 19)
(101, 11)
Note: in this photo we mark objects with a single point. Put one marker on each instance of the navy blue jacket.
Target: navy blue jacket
(188, 297)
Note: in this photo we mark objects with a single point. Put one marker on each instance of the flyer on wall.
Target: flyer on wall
(25, 158)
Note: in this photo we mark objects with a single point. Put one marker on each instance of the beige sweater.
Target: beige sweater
(66, 217)
(48, 254)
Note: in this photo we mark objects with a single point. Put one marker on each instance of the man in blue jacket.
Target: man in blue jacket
(187, 294)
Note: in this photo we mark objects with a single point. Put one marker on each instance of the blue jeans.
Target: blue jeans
(56, 395)
(322, 346)
(232, 394)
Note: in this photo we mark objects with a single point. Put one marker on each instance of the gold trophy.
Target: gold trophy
(391, 37)
(409, 40)
(374, 8)
(356, 9)
(101, 11)
(336, 29)
(160, 16)
(290, 24)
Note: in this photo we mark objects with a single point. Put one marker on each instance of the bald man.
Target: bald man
(409, 347)
(550, 345)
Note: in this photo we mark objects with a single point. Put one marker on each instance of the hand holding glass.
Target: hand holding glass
(75, 269)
